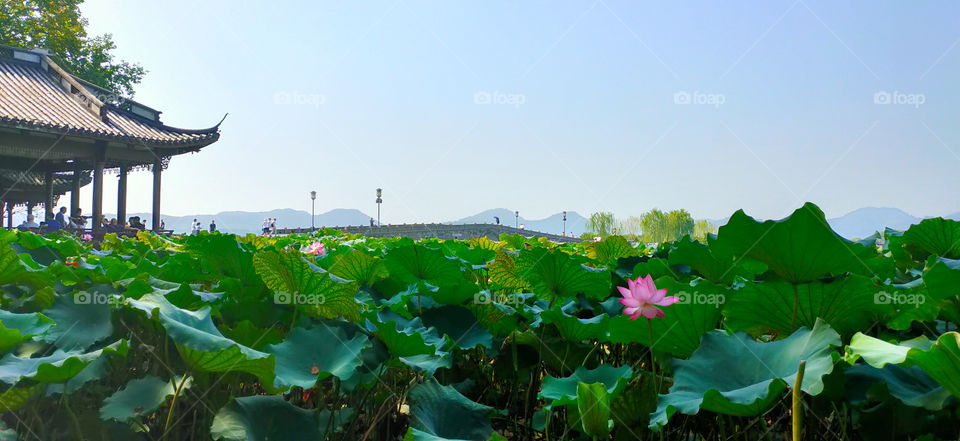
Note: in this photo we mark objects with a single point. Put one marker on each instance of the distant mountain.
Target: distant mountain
(865, 221)
(576, 223)
(954, 216)
(241, 222)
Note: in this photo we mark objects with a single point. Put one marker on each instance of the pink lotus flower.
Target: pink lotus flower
(315, 248)
(642, 298)
(87, 237)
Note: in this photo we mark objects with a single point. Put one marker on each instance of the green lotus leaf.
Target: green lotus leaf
(937, 236)
(57, 367)
(16, 398)
(678, 333)
(799, 248)
(458, 324)
(912, 385)
(428, 363)
(735, 375)
(563, 391)
(411, 263)
(593, 403)
(358, 266)
(504, 272)
(439, 413)
(81, 319)
(139, 398)
(574, 328)
(553, 274)
(942, 280)
(940, 359)
(8, 434)
(201, 343)
(309, 355)
(265, 418)
(654, 267)
(14, 270)
(712, 262)
(289, 274)
(222, 256)
(405, 337)
(847, 305)
(608, 250)
(17, 328)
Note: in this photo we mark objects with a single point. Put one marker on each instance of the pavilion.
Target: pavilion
(57, 130)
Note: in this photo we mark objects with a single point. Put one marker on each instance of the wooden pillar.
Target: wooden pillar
(157, 169)
(75, 190)
(48, 194)
(97, 195)
(122, 195)
(29, 209)
(10, 214)
(3, 206)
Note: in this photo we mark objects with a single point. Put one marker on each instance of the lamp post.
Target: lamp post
(313, 209)
(564, 223)
(517, 214)
(379, 201)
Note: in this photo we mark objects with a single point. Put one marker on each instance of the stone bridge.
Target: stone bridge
(440, 231)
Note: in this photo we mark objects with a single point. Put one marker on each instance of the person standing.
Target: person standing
(195, 228)
(273, 226)
(213, 225)
(62, 217)
(266, 226)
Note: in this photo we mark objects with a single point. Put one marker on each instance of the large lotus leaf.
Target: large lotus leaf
(412, 263)
(221, 255)
(943, 279)
(779, 307)
(442, 413)
(139, 397)
(563, 391)
(608, 250)
(554, 275)
(57, 367)
(910, 385)
(678, 332)
(504, 271)
(16, 398)
(265, 418)
(293, 278)
(202, 344)
(736, 375)
(800, 248)
(459, 324)
(14, 270)
(405, 337)
(81, 319)
(593, 404)
(359, 267)
(940, 360)
(935, 236)
(576, 329)
(712, 262)
(17, 328)
(309, 355)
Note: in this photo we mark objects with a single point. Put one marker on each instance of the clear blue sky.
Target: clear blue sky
(344, 97)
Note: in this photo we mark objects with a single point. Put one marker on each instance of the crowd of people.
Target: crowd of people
(269, 226)
(196, 226)
(77, 221)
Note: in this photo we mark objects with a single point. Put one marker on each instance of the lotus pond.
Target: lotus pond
(768, 331)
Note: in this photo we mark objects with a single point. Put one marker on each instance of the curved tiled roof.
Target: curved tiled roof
(34, 97)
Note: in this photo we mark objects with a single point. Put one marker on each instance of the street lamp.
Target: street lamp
(313, 209)
(379, 201)
(564, 223)
(517, 214)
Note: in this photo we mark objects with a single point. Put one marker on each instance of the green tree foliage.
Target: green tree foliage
(56, 25)
(701, 229)
(654, 224)
(601, 223)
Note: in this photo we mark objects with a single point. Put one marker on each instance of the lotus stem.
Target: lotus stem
(796, 306)
(797, 403)
(653, 368)
(173, 402)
